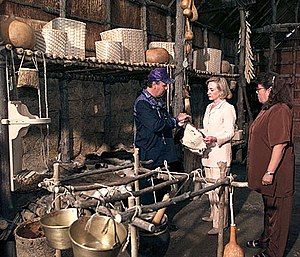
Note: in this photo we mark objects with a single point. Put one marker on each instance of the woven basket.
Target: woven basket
(132, 41)
(169, 46)
(51, 41)
(75, 30)
(28, 78)
(208, 59)
(109, 50)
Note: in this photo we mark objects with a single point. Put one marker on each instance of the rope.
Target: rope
(14, 68)
(7, 78)
(154, 193)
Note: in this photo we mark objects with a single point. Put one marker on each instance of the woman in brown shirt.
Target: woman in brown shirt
(271, 164)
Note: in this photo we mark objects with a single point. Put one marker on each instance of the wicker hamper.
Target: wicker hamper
(132, 41)
(51, 41)
(109, 50)
(75, 30)
(169, 46)
(207, 59)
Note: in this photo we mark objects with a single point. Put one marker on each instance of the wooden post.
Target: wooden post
(272, 37)
(65, 150)
(108, 13)
(107, 112)
(179, 55)
(223, 168)
(62, 8)
(169, 27)
(6, 201)
(57, 202)
(136, 173)
(133, 231)
(205, 38)
(242, 80)
(144, 24)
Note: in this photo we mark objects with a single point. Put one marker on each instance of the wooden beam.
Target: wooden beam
(144, 25)
(242, 80)
(179, 55)
(272, 37)
(62, 8)
(169, 28)
(5, 194)
(108, 13)
(64, 144)
(275, 27)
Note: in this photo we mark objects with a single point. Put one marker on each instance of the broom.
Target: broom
(232, 249)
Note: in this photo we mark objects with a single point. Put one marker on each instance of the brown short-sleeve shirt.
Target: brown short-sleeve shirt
(271, 127)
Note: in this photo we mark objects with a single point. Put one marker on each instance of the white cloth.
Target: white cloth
(193, 139)
(218, 122)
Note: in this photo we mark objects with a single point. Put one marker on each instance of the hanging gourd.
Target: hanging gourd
(184, 4)
(188, 35)
(194, 12)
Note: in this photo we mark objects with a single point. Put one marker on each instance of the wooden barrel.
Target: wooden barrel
(157, 55)
(17, 33)
(31, 241)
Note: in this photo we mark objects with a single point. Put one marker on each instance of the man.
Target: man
(154, 125)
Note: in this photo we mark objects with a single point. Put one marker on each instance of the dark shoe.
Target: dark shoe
(213, 231)
(262, 254)
(256, 244)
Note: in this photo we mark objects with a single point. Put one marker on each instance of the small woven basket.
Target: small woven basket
(28, 78)
(109, 50)
(51, 41)
(169, 46)
(132, 41)
(75, 30)
(207, 59)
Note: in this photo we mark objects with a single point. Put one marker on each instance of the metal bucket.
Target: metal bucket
(56, 227)
(97, 236)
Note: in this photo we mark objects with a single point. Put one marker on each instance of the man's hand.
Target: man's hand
(182, 118)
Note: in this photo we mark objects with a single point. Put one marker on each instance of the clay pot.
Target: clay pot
(225, 67)
(17, 33)
(157, 55)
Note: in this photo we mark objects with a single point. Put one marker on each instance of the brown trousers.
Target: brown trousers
(277, 217)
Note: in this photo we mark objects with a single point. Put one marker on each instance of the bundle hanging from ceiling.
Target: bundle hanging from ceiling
(249, 68)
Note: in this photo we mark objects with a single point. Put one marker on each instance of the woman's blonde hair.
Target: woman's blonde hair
(222, 86)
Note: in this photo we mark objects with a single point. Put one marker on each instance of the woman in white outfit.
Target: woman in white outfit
(218, 128)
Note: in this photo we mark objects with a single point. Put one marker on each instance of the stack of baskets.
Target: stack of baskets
(132, 41)
(169, 46)
(64, 32)
(207, 59)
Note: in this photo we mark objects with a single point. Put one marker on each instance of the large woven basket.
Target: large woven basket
(51, 41)
(109, 50)
(169, 46)
(207, 59)
(132, 41)
(75, 30)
